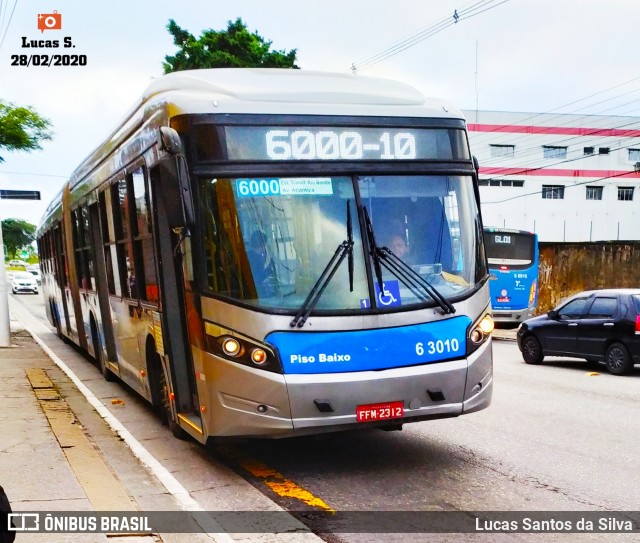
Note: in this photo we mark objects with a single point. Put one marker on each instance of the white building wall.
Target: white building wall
(572, 218)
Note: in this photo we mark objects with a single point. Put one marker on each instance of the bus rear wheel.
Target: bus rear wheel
(98, 355)
(55, 317)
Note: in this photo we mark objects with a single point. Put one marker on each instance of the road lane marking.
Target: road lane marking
(277, 482)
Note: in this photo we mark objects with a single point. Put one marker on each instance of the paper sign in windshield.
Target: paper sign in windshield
(291, 186)
(306, 185)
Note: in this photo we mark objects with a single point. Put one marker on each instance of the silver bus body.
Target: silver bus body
(138, 337)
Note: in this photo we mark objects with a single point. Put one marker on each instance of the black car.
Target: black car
(597, 325)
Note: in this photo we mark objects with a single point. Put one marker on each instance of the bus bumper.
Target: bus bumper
(437, 390)
(318, 403)
(511, 315)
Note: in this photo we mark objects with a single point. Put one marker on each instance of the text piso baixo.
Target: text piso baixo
(322, 357)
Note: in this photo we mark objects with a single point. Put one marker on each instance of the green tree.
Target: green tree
(17, 234)
(235, 47)
(21, 128)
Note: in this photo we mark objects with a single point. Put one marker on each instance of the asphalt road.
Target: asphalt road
(557, 437)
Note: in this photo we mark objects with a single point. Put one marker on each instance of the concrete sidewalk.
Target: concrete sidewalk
(51, 462)
(48, 461)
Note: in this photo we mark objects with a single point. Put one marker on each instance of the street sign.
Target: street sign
(19, 194)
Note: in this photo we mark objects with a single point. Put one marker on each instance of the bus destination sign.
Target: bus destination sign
(337, 143)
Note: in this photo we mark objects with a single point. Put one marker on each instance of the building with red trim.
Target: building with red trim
(566, 177)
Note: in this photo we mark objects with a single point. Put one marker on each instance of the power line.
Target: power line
(565, 186)
(573, 121)
(434, 28)
(531, 149)
(528, 171)
(36, 174)
(424, 34)
(4, 35)
(534, 149)
(534, 116)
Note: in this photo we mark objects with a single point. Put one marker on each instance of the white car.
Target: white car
(34, 270)
(24, 282)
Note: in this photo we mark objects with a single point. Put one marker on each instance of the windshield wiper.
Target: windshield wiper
(344, 249)
(383, 256)
(373, 248)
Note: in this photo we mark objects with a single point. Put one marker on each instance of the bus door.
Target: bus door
(105, 324)
(124, 301)
(142, 280)
(60, 310)
(135, 268)
(71, 291)
(172, 264)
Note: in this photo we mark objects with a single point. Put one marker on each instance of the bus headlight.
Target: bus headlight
(259, 356)
(231, 346)
(476, 335)
(479, 332)
(486, 325)
(240, 349)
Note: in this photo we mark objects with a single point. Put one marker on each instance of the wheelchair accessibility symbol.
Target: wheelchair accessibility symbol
(389, 295)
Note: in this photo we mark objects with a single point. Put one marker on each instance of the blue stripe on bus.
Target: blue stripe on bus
(361, 350)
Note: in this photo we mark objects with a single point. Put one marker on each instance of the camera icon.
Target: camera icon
(49, 21)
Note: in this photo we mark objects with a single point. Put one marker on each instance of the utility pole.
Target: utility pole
(5, 328)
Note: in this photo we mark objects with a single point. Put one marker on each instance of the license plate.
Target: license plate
(379, 411)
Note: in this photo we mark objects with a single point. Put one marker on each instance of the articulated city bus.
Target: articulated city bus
(273, 253)
(513, 267)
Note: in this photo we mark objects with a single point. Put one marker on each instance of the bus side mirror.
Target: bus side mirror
(170, 140)
(175, 192)
(476, 164)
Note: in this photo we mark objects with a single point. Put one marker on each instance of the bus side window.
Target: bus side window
(223, 265)
(146, 281)
(122, 263)
(82, 243)
(106, 220)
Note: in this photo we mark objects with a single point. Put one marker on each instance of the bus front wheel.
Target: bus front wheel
(162, 394)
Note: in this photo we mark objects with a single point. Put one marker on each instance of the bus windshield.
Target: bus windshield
(509, 249)
(267, 240)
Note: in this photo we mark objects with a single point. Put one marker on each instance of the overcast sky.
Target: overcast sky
(508, 55)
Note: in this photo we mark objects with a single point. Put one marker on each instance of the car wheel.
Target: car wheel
(532, 351)
(618, 359)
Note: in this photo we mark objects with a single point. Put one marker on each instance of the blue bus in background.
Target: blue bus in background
(513, 267)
